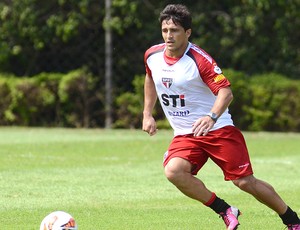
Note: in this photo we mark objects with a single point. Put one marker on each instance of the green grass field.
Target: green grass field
(113, 179)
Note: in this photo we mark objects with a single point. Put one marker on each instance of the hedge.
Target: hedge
(265, 102)
(50, 99)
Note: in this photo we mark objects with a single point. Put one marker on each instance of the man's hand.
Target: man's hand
(149, 125)
(202, 126)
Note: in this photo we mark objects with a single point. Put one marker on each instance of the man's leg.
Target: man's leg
(266, 194)
(178, 171)
(263, 192)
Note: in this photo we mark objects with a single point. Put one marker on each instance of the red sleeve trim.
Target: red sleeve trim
(152, 50)
(208, 69)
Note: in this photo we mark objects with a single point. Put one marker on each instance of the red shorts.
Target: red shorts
(225, 146)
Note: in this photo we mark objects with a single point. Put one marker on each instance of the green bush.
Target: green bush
(266, 102)
(50, 81)
(24, 101)
(274, 104)
(5, 102)
(130, 106)
(49, 99)
(241, 92)
(78, 98)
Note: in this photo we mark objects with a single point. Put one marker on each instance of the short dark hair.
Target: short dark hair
(178, 13)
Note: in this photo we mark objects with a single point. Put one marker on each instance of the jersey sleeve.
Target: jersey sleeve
(209, 71)
(213, 76)
(148, 71)
(152, 50)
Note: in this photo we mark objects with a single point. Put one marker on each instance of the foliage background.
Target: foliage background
(52, 59)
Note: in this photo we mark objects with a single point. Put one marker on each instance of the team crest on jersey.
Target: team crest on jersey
(217, 69)
(167, 82)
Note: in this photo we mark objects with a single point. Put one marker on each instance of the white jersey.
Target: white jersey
(187, 86)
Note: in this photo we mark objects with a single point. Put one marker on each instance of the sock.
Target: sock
(217, 204)
(290, 217)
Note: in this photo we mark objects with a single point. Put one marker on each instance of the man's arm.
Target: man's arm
(150, 97)
(222, 102)
(204, 124)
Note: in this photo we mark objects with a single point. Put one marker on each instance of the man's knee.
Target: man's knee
(176, 169)
(172, 172)
(245, 182)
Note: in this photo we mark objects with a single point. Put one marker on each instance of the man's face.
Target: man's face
(175, 37)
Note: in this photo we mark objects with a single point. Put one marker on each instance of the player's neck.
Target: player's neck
(177, 53)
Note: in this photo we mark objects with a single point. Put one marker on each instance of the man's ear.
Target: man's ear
(188, 32)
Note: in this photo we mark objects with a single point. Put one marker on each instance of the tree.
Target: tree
(252, 36)
(37, 36)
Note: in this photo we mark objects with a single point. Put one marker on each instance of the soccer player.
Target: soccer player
(195, 96)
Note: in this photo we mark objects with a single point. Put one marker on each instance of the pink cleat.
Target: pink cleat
(293, 227)
(230, 218)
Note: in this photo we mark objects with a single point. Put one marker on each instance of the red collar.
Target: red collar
(171, 60)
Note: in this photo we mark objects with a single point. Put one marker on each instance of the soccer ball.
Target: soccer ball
(58, 220)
